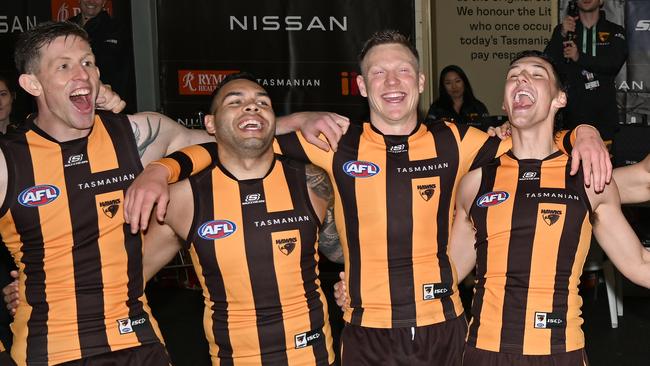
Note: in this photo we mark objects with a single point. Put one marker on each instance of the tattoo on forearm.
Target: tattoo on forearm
(328, 240)
(319, 182)
(151, 135)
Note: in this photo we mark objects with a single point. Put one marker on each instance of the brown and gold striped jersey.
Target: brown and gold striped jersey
(532, 237)
(81, 281)
(393, 210)
(254, 247)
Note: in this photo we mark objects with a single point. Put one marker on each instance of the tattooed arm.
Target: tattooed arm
(328, 239)
(158, 135)
(322, 199)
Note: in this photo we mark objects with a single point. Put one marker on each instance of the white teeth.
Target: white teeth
(250, 124)
(79, 92)
(394, 95)
(526, 93)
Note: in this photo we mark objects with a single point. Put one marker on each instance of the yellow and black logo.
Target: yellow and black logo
(551, 216)
(286, 245)
(111, 207)
(427, 191)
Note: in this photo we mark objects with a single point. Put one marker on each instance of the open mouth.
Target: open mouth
(81, 99)
(250, 125)
(394, 97)
(523, 99)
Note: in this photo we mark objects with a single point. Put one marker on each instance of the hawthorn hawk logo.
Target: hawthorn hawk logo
(286, 245)
(551, 216)
(427, 191)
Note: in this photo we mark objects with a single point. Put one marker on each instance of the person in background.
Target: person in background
(590, 62)
(456, 101)
(107, 41)
(7, 97)
(63, 174)
(394, 180)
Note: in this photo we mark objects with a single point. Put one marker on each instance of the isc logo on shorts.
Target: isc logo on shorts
(127, 325)
(38, 195)
(548, 320)
(303, 340)
(360, 169)
(492, 199)
(432, 291)
(217, 229)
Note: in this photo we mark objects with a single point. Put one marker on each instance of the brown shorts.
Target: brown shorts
(5, 359)
(478, 357)
(436, 344)
(153, 354)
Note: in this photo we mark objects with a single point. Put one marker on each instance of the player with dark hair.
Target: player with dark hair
(394, 180)
(525, 225)
(63, 175)
(251, 223)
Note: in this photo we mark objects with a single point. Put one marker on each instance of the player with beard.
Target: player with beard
(395, 180)
(251, 223)
(63, 175)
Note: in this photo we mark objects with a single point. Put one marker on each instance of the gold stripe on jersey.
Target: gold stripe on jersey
(76, 277)
(544, 247)
(391, 276)
(526, 299)
(208, 311)
(373, 280)
(55, 259)
(254, 284)
(442, 150)
(489, 335)
(111, 234)
(98, 157)
(244, 337)
(575, 337)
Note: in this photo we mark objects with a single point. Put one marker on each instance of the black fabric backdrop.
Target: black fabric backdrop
(17, 16)
(303, 52)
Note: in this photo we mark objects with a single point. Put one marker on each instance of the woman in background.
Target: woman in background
(456, 101)
(7, 96)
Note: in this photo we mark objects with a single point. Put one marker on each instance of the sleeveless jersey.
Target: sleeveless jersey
(81, 281)
(254, 247)
(393, 207)
(532, 237)
(394, 204)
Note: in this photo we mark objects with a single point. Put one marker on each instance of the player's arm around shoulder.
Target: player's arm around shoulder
(157, 135)
(163, 240)
(322, 200)
(463, 235)
(616, 237)
(634, 181)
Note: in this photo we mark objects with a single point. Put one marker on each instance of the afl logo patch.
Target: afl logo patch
(360, 169)
(492, 199)
(217, 229)
(38, 195)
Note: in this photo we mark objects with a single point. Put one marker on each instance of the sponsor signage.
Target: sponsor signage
(65, 9)
(303, 53)
(200, 82)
